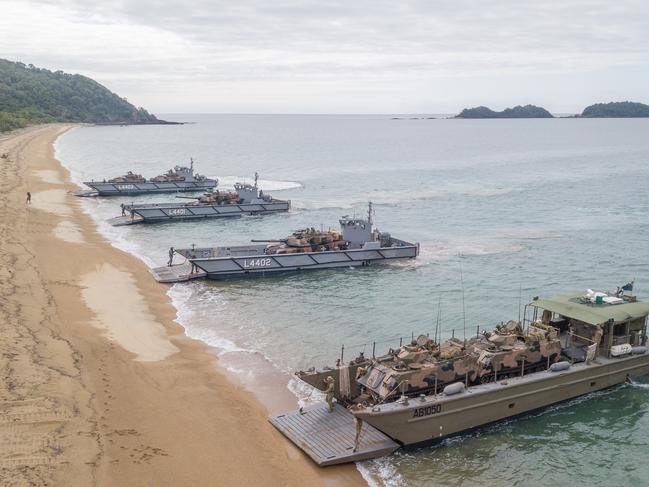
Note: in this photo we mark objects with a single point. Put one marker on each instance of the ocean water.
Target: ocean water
(504, 210)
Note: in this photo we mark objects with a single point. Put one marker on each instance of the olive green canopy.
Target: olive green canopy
(571, 306)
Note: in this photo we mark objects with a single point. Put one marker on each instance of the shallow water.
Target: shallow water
(518, 208)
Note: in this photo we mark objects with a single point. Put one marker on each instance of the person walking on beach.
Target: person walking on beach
(171, 256)
(29, 198)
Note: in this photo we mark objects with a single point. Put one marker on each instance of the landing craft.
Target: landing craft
(246, 199)
(357, 243)
(178, 179)
(566, 346)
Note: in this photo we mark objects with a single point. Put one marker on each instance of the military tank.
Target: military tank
(178, 179)
(357, 243)
(246, 199)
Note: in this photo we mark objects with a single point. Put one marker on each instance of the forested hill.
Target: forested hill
(32, 95)
(620, 109)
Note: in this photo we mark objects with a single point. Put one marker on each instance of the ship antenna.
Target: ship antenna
(439, 315)
(463, 308)
(256, 178)
(369, 213)
(191, 163)
(520, 292)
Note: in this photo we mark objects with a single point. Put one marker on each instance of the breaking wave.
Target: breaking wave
(381, 472)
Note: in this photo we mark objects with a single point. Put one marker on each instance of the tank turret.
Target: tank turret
(129, 177)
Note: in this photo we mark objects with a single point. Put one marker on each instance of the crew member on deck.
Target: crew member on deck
(329, 392)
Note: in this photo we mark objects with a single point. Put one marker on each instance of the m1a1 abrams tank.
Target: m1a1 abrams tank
(129, 177)
(180, 178)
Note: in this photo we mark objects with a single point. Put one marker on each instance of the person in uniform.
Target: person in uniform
(329, 392)
(29, 198)
(358, 426)
(171, 256)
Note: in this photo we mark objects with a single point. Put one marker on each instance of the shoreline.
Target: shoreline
(101, 384)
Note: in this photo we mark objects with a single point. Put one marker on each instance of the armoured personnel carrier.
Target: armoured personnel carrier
(566, 346)
(180, 178)
(357, 243)
(246, 199)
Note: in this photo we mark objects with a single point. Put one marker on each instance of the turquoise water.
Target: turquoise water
(519, 208)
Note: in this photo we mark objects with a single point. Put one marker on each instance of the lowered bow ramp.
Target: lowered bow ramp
(176, 273)
(328, 438)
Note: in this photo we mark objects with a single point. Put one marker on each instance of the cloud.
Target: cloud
(292, 47)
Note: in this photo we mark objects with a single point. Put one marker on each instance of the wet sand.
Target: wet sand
(99, 385)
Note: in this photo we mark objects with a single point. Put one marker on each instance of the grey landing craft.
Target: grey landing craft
(245, 200)
(428, 388)
(178, 179)
(356, 244)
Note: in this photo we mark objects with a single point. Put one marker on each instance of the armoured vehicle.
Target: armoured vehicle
(245, 200)
(566, 346)
(180, 178)
(356, 244)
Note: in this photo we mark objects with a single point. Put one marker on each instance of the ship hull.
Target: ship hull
(266, 264)
(436, 417)
(132, 189)
(160, 213)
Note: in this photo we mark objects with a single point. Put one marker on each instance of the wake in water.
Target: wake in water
(638, 385)
(264, 184)
(395, 197)
(431, 251)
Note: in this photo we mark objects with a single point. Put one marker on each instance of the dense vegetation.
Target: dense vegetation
(528, 111)
(616, 109)
(32, 95)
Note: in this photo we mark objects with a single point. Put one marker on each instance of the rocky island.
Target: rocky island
(527, 111)
(619, 109)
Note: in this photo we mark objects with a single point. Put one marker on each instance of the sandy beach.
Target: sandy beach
(100, 386)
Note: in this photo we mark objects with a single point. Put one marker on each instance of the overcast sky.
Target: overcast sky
(340, 56)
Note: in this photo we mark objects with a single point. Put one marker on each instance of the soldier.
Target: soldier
(29, 198)
(358, 425)
(123, 209)
(171, 256)
(329, 392)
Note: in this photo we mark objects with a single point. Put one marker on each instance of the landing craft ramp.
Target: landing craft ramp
(328, 438)
(176, 273)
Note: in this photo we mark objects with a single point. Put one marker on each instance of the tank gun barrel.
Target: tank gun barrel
(271, 240)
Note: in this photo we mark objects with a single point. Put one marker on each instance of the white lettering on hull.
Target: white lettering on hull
(252, 263)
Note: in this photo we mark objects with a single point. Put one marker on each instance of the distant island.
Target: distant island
(30, 95)
(618, 109)
(527, 111)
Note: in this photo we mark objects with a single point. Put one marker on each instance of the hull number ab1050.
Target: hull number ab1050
(427, 411)
(257, 263)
